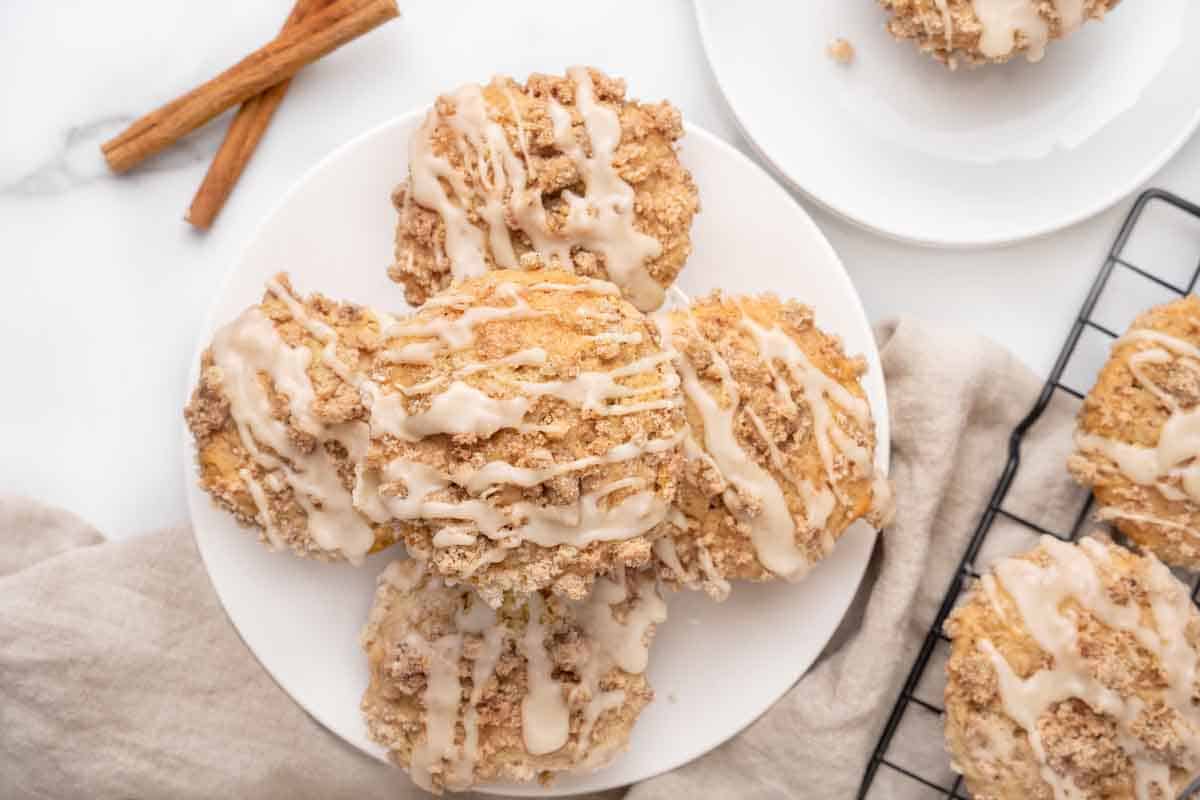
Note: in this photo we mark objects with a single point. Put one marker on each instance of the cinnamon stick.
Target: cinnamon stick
(278, 60)
(243, 135)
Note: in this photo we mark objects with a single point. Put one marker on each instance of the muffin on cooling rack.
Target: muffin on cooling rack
(527, 434)
(981, 31)
(462, 694)
(280, 438)
(562, 172)
(780, 453)
(1073, 673)
(1138, 439)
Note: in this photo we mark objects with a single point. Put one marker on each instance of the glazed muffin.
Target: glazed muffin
(1073, 673)
(527, 432)
(1136, 444)
(280, 437)
(780, 455)
(562, 172)
(982, 31)
(462, 694)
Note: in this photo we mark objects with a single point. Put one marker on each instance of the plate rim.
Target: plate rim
(892, 234)
(857, 570)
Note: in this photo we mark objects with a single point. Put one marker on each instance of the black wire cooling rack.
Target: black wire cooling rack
(1143, 268)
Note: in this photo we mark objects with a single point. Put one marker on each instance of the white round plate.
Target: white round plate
(714, 668)
(899, 144)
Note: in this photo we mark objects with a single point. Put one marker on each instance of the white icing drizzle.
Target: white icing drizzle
(592, 391)
(601, 221)
(545, 718)
(249, 347)
(479, 621)
(583, 286)
(1176, 456)
(529, 357)
(532, 357)
(264, 509)
(464, 409)
(413, 353)
(459, 333)
(1003, 20)
(464, 242)
(624, 645)
(442, 696)
(501, 472)
(1039, 594)
(578, 524)
(714, 581)
(818, 503)
(619, 337)
(454, 535)
(665, 550)
(522, 139)
(441, 699)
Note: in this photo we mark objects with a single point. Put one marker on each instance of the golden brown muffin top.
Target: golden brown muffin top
(462, 694)
(526, 431)
(564, 172)
(781, 444)
(279, 436)
(1074, 672)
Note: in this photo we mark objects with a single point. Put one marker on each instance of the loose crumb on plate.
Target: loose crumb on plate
(840, 50)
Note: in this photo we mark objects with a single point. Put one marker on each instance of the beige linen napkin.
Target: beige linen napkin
(121, 677)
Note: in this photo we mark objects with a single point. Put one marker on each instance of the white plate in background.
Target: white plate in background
(899, 144)
(715, 668)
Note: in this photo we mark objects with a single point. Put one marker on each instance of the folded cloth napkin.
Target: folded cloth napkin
(121, 677)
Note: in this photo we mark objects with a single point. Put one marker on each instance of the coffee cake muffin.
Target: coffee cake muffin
(1138, 441)
(280, 437)
(780, 454)
(982, 31)
(1073, 673)
(562, 172)
(462, 693)
(527, 432)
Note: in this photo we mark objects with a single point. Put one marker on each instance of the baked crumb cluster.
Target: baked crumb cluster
(528, 176)
(1074, 673)
(983, 31)
(1135, 446)
(547, 452)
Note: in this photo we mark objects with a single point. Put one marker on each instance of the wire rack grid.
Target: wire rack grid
(1156, 217)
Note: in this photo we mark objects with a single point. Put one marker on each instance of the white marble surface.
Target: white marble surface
(105, 285)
